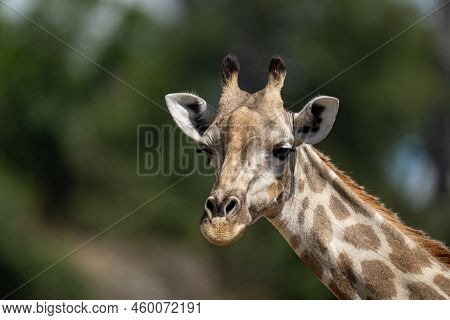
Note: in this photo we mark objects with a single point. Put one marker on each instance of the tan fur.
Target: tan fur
(435, 248)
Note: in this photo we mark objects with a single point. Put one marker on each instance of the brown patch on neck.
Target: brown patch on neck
(315, 180)
(343, 283)
(341, 287)
(321, 230)
(346, 266)
(435, 248)
(312, 263)
(422, 291)
(338, 208)
(362, 236)
(301, 215)
(443, 283)
(379, 279)
(404, 258)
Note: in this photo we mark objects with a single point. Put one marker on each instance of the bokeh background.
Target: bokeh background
(68, 135)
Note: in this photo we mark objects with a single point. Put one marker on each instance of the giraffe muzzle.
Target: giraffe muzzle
(224, 221)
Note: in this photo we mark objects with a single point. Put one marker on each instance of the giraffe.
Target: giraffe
(266, 166)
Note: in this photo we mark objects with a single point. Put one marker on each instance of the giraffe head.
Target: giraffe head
(250, 141)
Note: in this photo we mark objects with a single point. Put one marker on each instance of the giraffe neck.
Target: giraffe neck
(356, 247)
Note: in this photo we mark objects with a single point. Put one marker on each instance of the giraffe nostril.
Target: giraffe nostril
(232, 205)
(215, 208)
(210, 207)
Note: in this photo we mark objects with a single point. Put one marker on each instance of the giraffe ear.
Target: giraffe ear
(313, 123)
(191, 113)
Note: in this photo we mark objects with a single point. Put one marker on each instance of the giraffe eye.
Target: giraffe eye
(281, 153)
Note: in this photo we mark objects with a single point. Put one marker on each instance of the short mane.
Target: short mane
(436, 249)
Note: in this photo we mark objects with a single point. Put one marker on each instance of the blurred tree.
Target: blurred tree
(437, 128)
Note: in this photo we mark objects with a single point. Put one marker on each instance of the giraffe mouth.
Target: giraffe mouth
(224, 230)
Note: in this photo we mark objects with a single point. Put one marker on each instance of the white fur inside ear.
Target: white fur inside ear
(313, 123)
(191, 113)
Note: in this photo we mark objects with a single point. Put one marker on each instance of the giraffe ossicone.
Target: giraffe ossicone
(266, 167)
